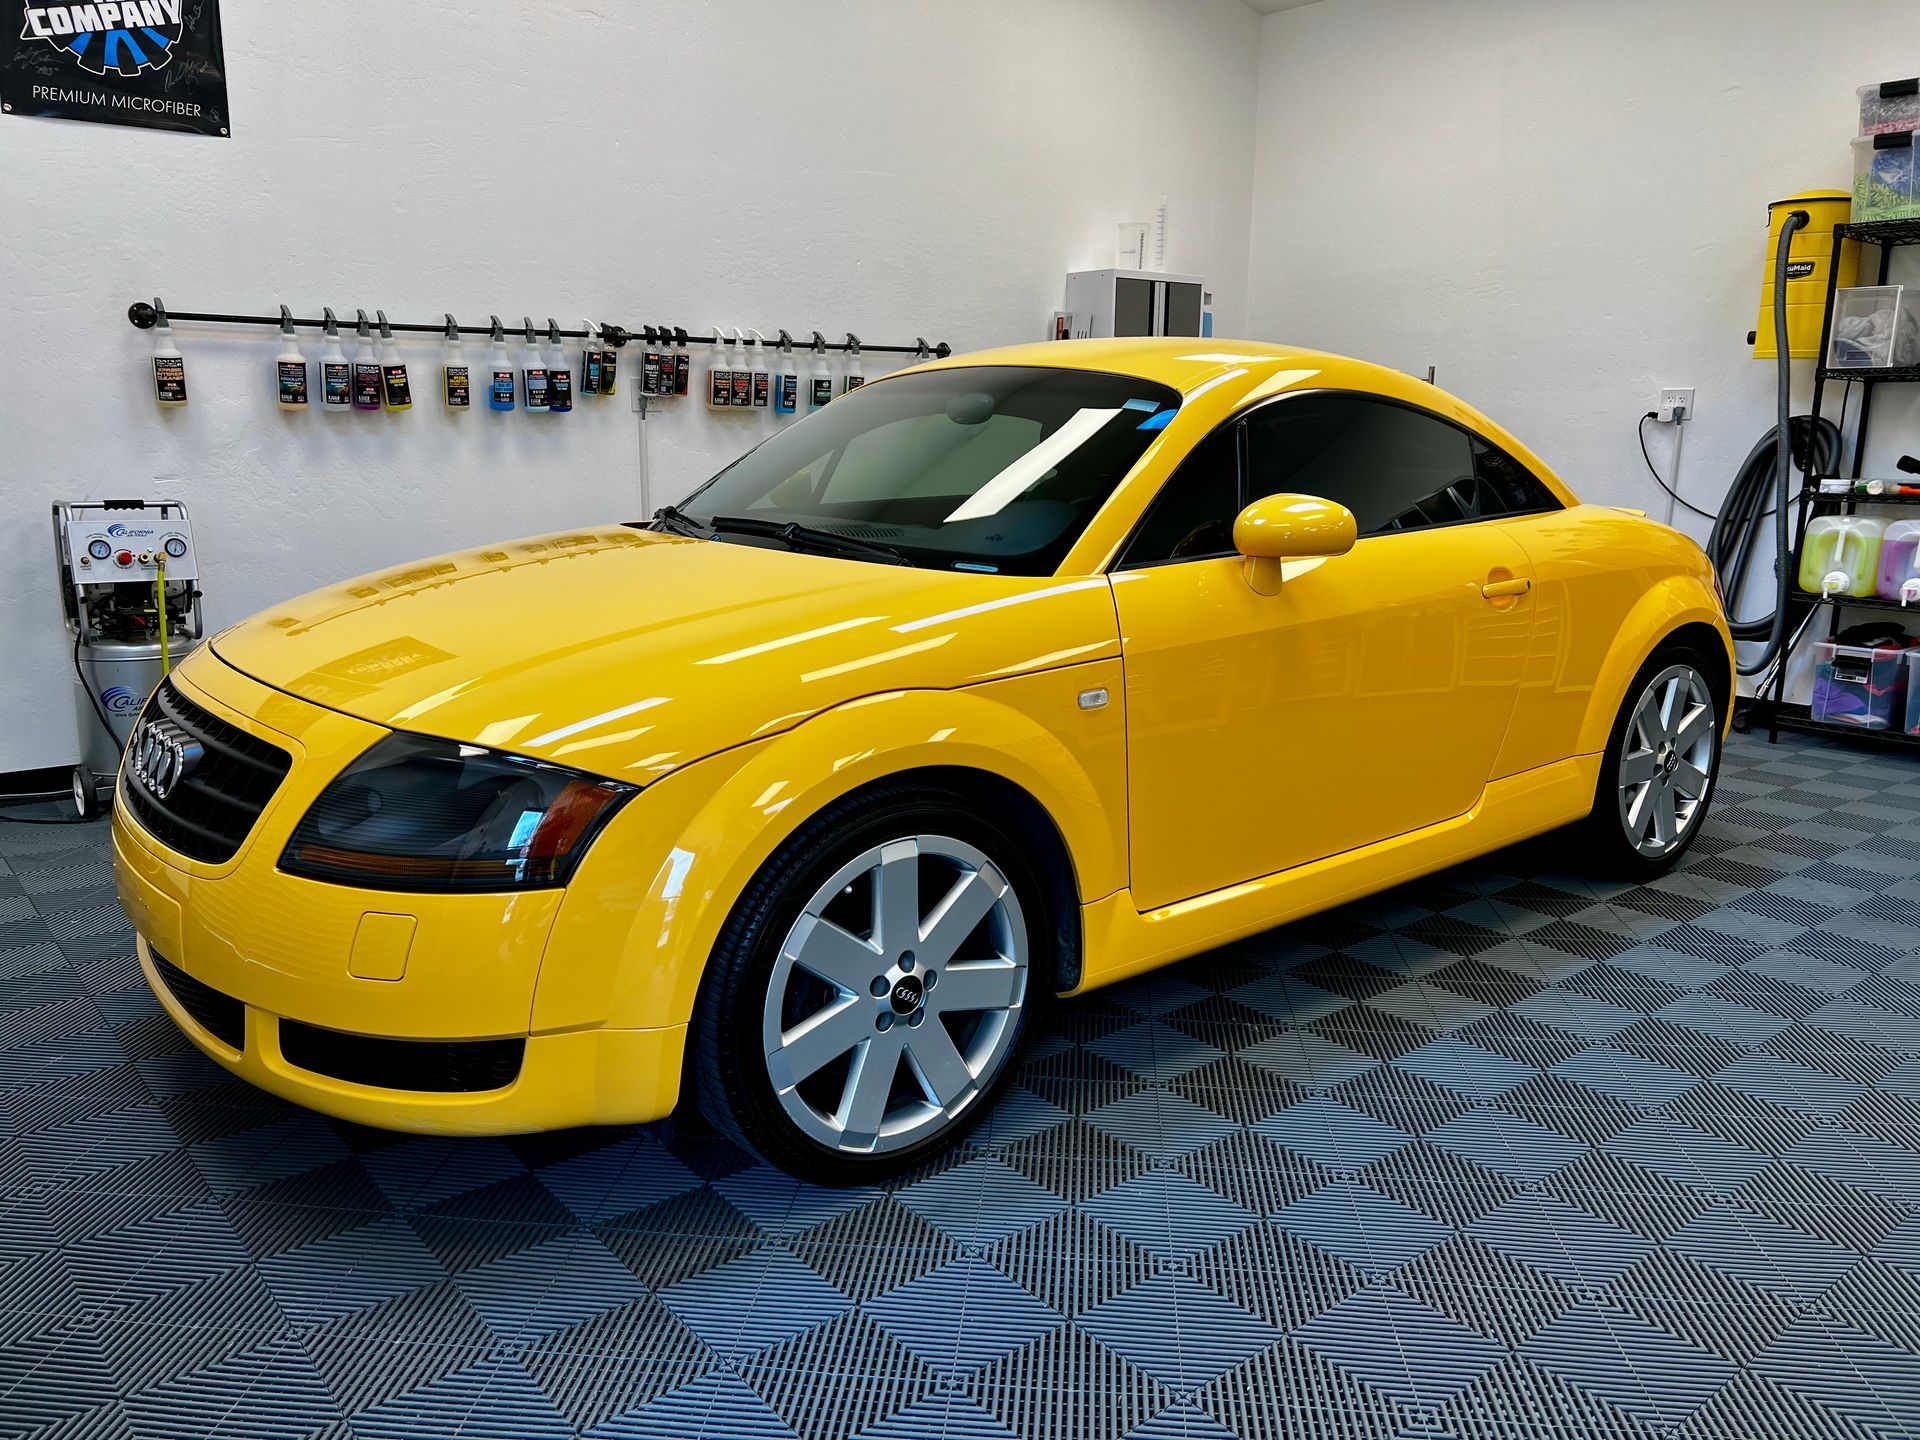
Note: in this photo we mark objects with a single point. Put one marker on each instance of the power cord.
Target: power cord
(1641, 431)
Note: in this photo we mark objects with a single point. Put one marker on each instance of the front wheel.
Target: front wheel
(871, 987)
(1661, 763)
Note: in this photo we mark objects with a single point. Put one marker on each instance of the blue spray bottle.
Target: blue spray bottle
(533, 391)
(500, 381)
(786, 380)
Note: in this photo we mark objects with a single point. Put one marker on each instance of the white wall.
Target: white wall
(1563, 207)
(894, 170)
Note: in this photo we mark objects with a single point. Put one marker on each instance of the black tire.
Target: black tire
(86, 793)
(732, 1084)
(1601, 844)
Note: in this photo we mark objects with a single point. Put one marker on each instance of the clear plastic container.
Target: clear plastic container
(1884, 184)
(1889, 106)
(1841, 555)
(1875, 326)
(1900, 563)
(1858, 685)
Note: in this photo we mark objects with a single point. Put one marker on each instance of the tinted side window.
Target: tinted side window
(1518, 489)
(1192, 516)
(1394, 467)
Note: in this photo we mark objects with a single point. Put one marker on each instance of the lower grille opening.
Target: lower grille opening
(221, 1016)
(435, 1065)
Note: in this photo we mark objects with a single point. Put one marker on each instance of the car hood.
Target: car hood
(630, 653)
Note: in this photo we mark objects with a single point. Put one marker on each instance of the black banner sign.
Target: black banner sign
(153, 63)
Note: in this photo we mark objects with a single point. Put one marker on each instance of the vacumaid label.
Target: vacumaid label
(152, 63)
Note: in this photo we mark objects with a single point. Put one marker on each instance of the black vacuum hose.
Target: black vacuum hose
(1766, 475)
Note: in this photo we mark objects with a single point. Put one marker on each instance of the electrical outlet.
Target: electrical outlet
(1676, 404)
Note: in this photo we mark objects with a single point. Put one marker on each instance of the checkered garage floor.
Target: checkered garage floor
(1502, 1153)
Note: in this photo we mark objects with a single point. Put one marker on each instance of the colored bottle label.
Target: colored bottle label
(762, 389)
(820, 391)
(170, 379)
(536, 387)
(366, 385)
(786, 393)
(853, 382)
(650, 372)
(560, 390)
(398, 389)
(720, 397)
(589, 372)
(459, 388)
(293, 382)
(336, 384)
(682, 372)
(500, 391)
(609, 370)
(743, 389)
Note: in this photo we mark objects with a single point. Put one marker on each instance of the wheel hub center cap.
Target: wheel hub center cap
(907, 994)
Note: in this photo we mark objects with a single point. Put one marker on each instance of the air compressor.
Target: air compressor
(129, 583)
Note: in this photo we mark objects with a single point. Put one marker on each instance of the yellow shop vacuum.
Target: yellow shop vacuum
(1810, 252)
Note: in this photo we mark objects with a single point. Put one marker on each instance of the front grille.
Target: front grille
(221, 1016)
(439, 1065)
(211, 807)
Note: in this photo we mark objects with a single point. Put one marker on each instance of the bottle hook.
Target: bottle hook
(680, 336)
(333, 324)
(286, 322)
(527, 320)
(160, 314)
(386, 330)
(786, 341)
(553, 333)
(499, 334)
(819, 343)
(365, 333)
(853, 343)
(453, 330)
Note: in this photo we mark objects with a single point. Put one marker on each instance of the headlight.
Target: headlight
(420, 814)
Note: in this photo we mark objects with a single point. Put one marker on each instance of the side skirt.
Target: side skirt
(1122, 941)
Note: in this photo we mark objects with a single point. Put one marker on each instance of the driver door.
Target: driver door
(1366, 699)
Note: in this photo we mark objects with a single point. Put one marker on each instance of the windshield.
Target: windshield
(994, 468)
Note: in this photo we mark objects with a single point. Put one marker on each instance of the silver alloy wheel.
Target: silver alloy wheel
(1666, 759)
(879, 969)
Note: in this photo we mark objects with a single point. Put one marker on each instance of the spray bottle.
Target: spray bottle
(456, 378)
(559, 373)
(169, 365)
(682, 363)
(819, 376)
(856, 375)
(762, 381)
(393, 370)
(591, 358)
(290, 366)
(609, 363)
(499, 370)
(366, 370)
(742, 362)
(336, 375)
(786, 381)
(534, 376)
(720, 373)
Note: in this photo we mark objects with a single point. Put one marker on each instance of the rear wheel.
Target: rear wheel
(871, 987)
(1661, 763)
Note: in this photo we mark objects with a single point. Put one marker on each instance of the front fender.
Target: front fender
(1674, 601)
(645, 907)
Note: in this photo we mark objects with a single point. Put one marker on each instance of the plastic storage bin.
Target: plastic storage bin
(1900, 563)
(1884, 184)
(1859, 685)
(1913, 692)
(1875, 326)
(1841, 555)
(1890, 106)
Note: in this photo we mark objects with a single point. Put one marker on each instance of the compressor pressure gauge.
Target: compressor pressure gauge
(175, 547)
(99, 549)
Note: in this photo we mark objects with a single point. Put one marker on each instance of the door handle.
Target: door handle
(1498, 589)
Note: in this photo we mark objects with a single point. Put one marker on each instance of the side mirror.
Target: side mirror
(1289, 527)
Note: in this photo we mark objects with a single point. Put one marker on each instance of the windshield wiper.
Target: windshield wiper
(803, 537)
(671, 520)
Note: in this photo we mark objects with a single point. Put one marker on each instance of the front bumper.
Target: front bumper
(466, 966)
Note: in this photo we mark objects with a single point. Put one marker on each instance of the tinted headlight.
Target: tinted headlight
(420, 814)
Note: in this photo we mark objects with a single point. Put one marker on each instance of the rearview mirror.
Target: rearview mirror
(1289, 527)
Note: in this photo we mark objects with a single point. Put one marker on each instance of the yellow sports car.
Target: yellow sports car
(1001, 678)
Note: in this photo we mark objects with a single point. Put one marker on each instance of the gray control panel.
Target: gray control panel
(129, 545)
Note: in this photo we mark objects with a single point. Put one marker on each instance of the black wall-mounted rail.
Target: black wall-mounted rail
(144, 316)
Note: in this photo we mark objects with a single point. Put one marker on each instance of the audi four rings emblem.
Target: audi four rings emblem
(162, 755)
